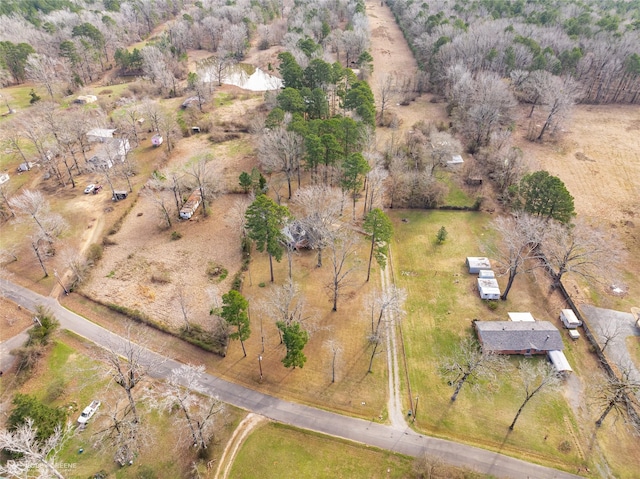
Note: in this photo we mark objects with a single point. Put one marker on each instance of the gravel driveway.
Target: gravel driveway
(607, 322)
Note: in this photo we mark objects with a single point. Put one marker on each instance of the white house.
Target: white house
(528, 317)
(476, 263)
(569, 319)
(488, 288)
(110, 152)
(486, 273)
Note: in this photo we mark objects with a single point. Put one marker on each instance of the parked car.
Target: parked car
(97, 189)
(89, 189)
(88, 412)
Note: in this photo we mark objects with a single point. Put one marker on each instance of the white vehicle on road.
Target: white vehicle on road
(88, 412)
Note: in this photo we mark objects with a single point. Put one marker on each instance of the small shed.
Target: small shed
(4, 178)
(574, 334)
(191, 205)
(569, 319)
(455, 160)
(486, 273)
(156, 140)
(488, 288)
(527, 317)
(559, 361)
(476, 263)
(84, 99)
(189, 101)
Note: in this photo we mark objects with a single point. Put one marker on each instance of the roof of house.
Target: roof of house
(518, 336)
(101, 132)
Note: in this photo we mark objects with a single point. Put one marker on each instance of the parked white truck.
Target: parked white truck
(88, 412)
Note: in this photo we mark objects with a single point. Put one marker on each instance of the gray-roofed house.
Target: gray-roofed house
(518, 337)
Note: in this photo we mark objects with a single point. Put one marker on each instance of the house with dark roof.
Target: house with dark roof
(518, 337)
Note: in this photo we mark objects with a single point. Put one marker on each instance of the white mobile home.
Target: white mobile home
(569, 319)
(190, 207)
(559, 361)
(476, 263)
(486, 273)
(488, 288)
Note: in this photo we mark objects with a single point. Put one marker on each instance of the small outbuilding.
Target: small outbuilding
(569, 319)
(488, 288)
(156, 140)
(559, 361)
(191, 205)
(574, 334)
(526, 317)
(85, 99)
(477, 263)
(455, 160)
(4, 178)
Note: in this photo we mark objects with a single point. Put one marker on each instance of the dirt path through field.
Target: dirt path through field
(250, 422)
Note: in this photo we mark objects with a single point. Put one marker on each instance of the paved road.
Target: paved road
(404, 441)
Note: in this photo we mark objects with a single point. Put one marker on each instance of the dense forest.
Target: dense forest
(596, 44)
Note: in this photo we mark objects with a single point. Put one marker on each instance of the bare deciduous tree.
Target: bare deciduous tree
(335, 350)
(43, 70)
(518, 249)
(581, 250)
(469, 363)
(385, 96)
(201, 172)
(129, 364)
(342, 246)
(386, 309)
(280, 151)
(619, 394)
(196, 413)
(608, 332)
(30, 453)
(559, 99)
(155, 192)
(320, 207)
(535, 378)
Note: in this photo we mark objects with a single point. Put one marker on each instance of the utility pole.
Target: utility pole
(415, 411)
(260, 365)
(55, 273)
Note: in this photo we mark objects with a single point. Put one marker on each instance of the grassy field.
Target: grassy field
(276, 451)
(442, 303)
